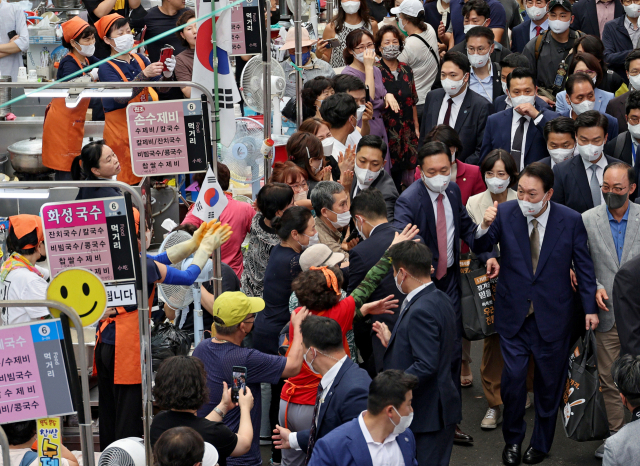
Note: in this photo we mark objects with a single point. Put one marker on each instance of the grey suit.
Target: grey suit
(623, 449)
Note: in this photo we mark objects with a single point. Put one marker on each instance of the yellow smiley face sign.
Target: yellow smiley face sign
(81, 290)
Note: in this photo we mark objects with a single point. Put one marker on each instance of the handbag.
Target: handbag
(437, 84)
(477, 298)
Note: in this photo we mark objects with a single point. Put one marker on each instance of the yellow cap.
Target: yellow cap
(232, 307)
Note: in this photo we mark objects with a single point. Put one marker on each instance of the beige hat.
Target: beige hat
(290, 41)
(319, 255)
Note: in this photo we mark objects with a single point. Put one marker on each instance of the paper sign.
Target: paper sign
(93, 235)
(33, 378)
(121, 295)
(211, 199)
(167, 137)
(246, 28)
(49, 441)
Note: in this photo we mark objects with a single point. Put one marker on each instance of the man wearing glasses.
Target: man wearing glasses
(484, 79)
(620, 37)
(537, 21)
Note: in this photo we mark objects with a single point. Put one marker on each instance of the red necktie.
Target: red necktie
(441, 231)
(447, 115)
(538, 30)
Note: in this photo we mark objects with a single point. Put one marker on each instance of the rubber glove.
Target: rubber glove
(211, 241)
(186, 248)
(170, 63)
(94, 74)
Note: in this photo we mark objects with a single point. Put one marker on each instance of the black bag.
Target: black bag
(476, 300)
(166, 341)
(583, 410)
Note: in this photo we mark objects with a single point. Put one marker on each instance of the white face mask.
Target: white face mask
(635, 82)
(560, 155)
(309, 363)
(301, 196)
(365, 177)
(477, 60)
(558, 26)
(632, 11)
(350, 7)
(438, 183)
(504, 86)
(359, 56)
(589, 152)
(583, 106)
(312, 240)
(452, 87)
(360, 112)
(86, 50)
(122, 43)
(405, 422)
(400, 24)
(523, 99)
(530, 209)
(342, 220)
(634, 130)
(495, 185)
(399, 285)
(536, 13)
(360, 231)
(468, 27)
(327, 146)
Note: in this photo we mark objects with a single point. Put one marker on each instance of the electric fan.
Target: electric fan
(124, 452)
(243, 157)
(253, 93)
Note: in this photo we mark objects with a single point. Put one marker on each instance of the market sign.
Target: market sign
(49, 439)
(246, 28)
(33, 378)
(93, 235)
(167, 137)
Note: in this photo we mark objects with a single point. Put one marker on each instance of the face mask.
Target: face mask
(360, 112)
(305, 57)
(477, 60)
(361, 232)
(452, 87)
(359, 56)
(634, 130)
(530, 209)
(365, 177)
(401, 24)
(495, 185)
(301, 196)
(583, 106)
(453, 156)
(309, 363)
(536, 13)
(558, 26)
(399, 285)
(123, 43)
(313, 239)
(86, 50)
(523, 99)
(632, 11)
(614, 201)
(327, 146)
(560, 155)
(504, 86)
(405, 422)
(437, 183)
(590, 153)
(350, 7)
(342, 219)
(635, 81)
(390, 51)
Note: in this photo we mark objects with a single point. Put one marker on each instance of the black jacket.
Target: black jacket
(617, 109)
(626, 301)
(621, 148)
(384, 183)
(585, 16)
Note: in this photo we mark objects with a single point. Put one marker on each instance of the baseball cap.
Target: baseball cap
(232, 307)
(409, 8)
(566, 4)
(319, 255)
(24, 224)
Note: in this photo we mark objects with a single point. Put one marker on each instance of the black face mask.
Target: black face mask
(615, 201)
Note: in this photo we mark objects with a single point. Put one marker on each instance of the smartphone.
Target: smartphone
(332, 43)
(354, 233)
(12, 34)
(367, 96)
(166, 52)
(239, 382)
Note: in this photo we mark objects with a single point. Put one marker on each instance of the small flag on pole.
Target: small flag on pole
(211, 199)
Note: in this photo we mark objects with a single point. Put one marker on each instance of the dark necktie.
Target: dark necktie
(516, 145)
(538, 30)
(447, 116)
(534, 242)
(313, 431)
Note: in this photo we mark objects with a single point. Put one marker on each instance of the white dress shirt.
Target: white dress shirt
(448, 214)
(387, 453)
(600, 166)
(352, 140)
(410, 296)
(542, 224)
(455, 107)
(325, 382)
(515, 122)
(532, 28)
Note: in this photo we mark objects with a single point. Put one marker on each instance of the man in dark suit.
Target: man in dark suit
(589, 15)
(422, 343)
(625, 146)
(369, 172)
(539, 242)
(388, 410)
(456, 105)
(518, 130)
(507, 65)
(618, 43)
(617, 107)
(578, 180)
(485, 75)
(536, 22)
(343, 389)
(560, 136)
(626, 302)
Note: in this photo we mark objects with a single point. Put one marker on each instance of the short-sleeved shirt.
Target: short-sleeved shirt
(67, 66)
(131, 69)
(184, 65)
(157, 23)
(303, 388)
(216, 433)
(20, 284)
(218, 360)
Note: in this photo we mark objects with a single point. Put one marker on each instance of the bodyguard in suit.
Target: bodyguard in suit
(618, 41)
(578, 180)
(625, 146)
(485, 76)
(590, 16)
(617, 107)
(507, 65)
(456, 105)
(614, 239)
(539, 242)
(518, 130)
(626, 299)
(370, 172)
(560, 136)
(422, 343)
(343, 389)
(537, 21)
(380, 435)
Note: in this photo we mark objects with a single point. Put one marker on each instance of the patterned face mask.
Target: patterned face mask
(390, 51)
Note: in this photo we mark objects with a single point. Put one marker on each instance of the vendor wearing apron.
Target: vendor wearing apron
(64, 126)
(117, 352)
(96, 162)
(116, 32)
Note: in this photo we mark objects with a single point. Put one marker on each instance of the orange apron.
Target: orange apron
(126, 366)
(63, 132)
(116, 131)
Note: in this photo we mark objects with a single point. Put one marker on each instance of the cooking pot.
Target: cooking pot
(26, 156)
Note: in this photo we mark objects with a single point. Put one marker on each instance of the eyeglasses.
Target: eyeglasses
(629, 2)
(538, 3)
(480, 50)
(370, 46)
(615, 190)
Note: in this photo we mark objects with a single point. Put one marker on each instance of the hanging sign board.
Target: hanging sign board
(33, 378)
(167, 137)
(246, 28)
(93, 235)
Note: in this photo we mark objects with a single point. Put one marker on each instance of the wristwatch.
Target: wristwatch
(219, 411)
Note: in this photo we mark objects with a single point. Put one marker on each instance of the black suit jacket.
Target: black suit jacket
(617, 109)
(571, 186)
(470, 122)
(546, 161)
(500, 103)
(520, 36)
(585, 16)
(346, 399)
(627, 155)
(422, 344)
(384, 183)
(626, 301)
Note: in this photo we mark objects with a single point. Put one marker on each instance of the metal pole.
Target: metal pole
(216, 103)
(266, 85)
(297, 23)
(328, 14)
(86, 433)
(4, 443)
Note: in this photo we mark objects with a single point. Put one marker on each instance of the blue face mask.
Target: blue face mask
(305, 57)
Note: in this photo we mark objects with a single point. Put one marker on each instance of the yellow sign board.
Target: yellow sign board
(49, 441)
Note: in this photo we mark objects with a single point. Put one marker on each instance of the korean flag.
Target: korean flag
(211, 199)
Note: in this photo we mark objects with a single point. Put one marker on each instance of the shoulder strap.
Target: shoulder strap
(140, 61)
(539, 40)
(435, 55)
(119, 71)
(620, 140)
(28, 458)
